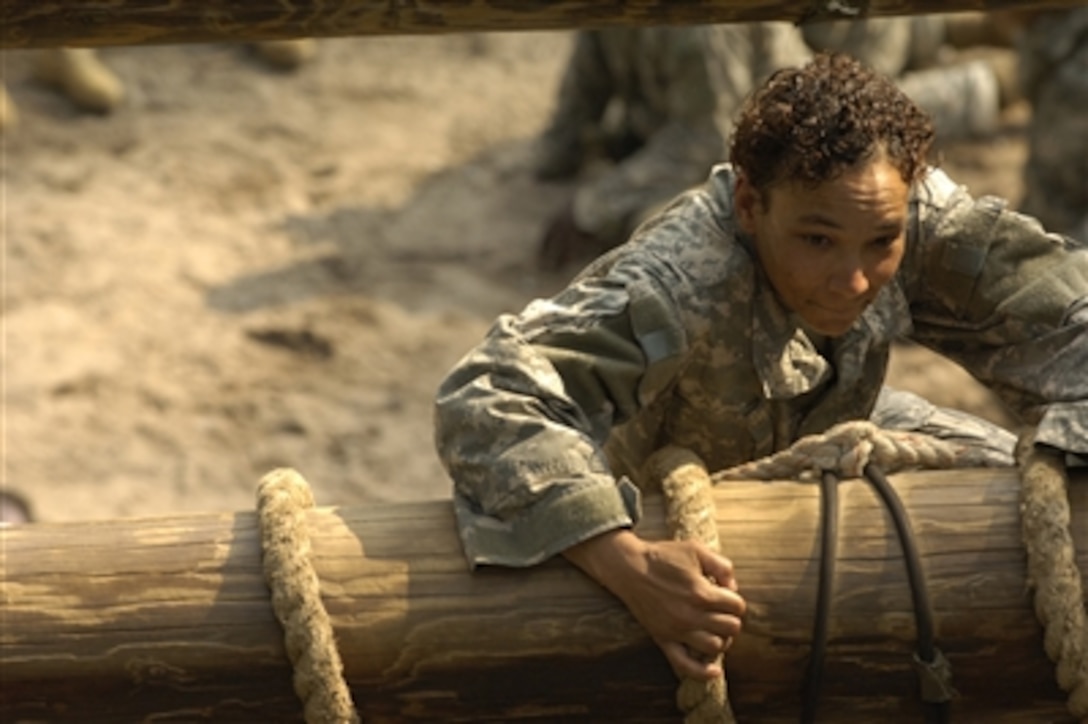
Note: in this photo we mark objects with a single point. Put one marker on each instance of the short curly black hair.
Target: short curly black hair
(812, 123)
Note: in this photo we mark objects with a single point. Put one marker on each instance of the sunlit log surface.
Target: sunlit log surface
(52, 23)
(168, 619)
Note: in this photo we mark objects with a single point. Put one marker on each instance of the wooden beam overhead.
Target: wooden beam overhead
(55, 23)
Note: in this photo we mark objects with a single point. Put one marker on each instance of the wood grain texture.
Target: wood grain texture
(53, 23)
(169, 619)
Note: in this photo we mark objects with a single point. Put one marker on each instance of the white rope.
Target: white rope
(848, 447)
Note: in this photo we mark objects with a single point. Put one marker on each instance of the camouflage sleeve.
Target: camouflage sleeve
(521, 420)
(996, 293)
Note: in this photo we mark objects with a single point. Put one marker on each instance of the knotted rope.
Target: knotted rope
(845, 449)
(690, 516)
(1052, 567)
(283, 497)
(848, 447)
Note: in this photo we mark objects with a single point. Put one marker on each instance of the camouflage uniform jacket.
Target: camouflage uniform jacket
(677, 336)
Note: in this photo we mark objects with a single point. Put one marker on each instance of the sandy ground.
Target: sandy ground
(243, 269)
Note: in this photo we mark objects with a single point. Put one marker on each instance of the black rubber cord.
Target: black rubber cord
(927, 654)
(829, 544)
(931, 663)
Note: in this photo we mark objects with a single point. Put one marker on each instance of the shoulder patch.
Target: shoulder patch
(967, 236)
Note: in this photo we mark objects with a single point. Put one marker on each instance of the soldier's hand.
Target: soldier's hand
(563, 242)
(684, 594)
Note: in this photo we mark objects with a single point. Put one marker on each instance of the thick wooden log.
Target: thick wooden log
(169, 619)
(52, 23)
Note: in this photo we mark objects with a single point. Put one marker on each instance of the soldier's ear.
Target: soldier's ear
(747, 202)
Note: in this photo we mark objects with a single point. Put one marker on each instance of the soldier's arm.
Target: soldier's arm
(520, 423)
(991, 289)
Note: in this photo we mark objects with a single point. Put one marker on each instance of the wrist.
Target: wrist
(607, 556)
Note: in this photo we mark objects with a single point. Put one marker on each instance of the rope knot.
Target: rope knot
(847, 448)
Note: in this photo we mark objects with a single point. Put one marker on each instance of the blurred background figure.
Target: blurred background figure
(963, 95)
(656, 106)
(81, 76)
(286, 54)
(14, 509)
(1054, 53)
(642, 114)
(78, 74)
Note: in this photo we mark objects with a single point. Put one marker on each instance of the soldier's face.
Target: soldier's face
(829, 249)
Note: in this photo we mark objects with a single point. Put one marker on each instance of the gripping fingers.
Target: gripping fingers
(704, 646)
(687, 665)
(722, 625)
(723, 601)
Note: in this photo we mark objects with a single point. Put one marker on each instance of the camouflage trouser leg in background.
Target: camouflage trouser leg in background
(585, 90)
(962, 99)
(695, 109)
(883, 44)
(1055, 62)
(907, 412)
